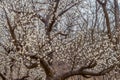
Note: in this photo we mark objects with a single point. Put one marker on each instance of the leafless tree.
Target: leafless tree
(58, 39)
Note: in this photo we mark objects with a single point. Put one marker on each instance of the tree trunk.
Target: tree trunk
(117, 27)
(116, 13)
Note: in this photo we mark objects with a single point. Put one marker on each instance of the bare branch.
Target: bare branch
(11, 29)
(85, 73)
(64, 11)
(46, 67)
(3, 77)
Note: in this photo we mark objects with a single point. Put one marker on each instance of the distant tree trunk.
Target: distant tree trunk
(116, 13)
(103, 4)
(117, 27)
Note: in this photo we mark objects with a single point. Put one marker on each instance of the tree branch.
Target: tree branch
(11, 30)
(84, 72)
(47, 68)
(44, 64)
(3, 77)
(64, 11)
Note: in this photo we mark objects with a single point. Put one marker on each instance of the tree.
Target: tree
(39, 36)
